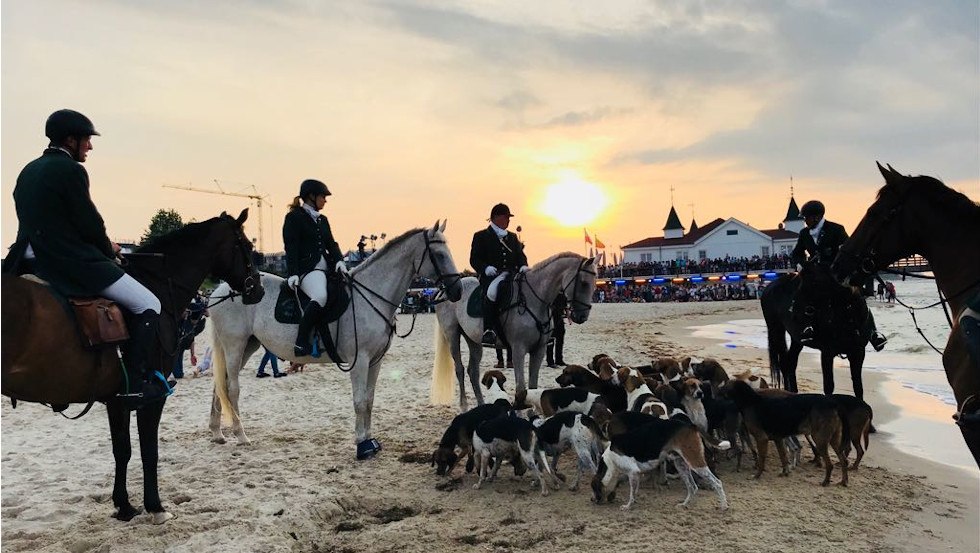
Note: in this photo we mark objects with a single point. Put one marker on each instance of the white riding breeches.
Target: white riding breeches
(314, 283)
(133, 296)
(494, 285)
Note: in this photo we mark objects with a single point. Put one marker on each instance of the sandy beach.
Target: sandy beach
(298, 488)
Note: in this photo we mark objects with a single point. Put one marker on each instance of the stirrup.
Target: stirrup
(967, 419)
(489, 337)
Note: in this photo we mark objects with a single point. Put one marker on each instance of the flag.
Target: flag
(598, 244)
(587, 239)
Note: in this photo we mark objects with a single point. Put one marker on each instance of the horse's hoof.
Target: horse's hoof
(218, 439)
(161, 517)
(127, 513)
(367, 449)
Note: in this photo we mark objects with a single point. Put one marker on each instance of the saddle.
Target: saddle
(839, 316)
(99, 320)
(474, 305)
(338, 299)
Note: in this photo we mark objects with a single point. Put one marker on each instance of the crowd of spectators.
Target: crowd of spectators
(698, 266)
(649, 292)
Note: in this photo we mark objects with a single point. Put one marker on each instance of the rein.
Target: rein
(521, 302)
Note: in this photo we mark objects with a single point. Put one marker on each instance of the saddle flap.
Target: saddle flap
(100, 321)
(288, 309)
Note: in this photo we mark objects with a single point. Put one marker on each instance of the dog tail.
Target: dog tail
(442, 369)
(720, 445)
(845, 431)
(867, 427)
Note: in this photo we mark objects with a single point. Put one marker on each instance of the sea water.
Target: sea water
(915, 378)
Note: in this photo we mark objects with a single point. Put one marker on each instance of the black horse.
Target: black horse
(43, 358)
(842, 323)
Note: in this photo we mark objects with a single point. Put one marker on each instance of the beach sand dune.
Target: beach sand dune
(298, 487)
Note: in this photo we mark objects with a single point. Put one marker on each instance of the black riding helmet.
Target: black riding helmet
(813, 208)
(66, 122)
(312, 188)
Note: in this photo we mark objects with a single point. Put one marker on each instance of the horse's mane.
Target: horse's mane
(391, 244)
(188, 234)
(952, 202)
(555, 257)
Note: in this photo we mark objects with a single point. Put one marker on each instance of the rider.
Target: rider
(494, 254)
(821, 239)
(63, 232)
(311, 252)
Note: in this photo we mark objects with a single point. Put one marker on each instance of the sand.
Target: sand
(298, 487)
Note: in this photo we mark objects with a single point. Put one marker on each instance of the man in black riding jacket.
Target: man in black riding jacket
(819, 243)
(495, 254)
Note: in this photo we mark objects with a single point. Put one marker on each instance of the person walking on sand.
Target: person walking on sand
(311, 252)
(60, 228)
(495, 254)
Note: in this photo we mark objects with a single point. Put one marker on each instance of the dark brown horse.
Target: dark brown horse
(921, 215)
(43, 359)
(844, 327)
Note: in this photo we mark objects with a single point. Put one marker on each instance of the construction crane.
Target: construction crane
(259, 199)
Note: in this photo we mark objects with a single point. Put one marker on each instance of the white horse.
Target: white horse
(362, 334)
(526, 322)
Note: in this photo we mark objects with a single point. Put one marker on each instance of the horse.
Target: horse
(921, 215)
(44, 360)
(363, 331)
(847, 336)
(525, 319)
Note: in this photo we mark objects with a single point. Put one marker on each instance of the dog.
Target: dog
(568, 430)
(548, 401)
(757, 382)
(606, 368)
(708, 370)
(576, 375)
(648, 447)
(859, 415)
(775, 418)
(689, 390)
(724, 419)
(460, 435)
(668, 368)
(507, 437)
(493, 383)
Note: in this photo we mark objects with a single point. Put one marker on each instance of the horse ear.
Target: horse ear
(889, 173)
(435, 227)
(223, 214)
(242, 217)
(591, 261)
(442, 227)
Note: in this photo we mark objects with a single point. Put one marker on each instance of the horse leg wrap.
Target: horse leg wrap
(368, 448)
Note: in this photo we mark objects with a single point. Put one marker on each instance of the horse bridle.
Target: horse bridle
(252, 279)
(544, 327)
(867, 264)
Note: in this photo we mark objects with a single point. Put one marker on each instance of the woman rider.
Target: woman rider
(311, 251)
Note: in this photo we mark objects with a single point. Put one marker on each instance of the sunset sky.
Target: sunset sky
(573, 113)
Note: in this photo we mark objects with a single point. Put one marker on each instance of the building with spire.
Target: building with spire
(717, 239)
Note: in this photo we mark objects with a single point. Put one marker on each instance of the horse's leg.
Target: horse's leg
(856, 360)
(827, 368)
(236, 356)
(214, 424)
(790, 365)
(121, 452)
(148, 424)
(519, 354)
(363, 379)
(473, 368)
(534, 364)
(456, 352)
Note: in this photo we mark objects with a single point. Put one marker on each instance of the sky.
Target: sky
(575, 114)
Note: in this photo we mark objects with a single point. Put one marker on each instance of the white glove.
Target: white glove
(799, 267)
(342, 268)
(293, 281)
(491, 271)
(525, 269)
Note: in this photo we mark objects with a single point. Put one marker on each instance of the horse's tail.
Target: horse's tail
(220, 368)
(776, 331)
(442, 369)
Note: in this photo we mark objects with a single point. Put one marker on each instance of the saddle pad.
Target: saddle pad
(288, 311)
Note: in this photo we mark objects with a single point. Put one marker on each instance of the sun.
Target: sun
(573, 202)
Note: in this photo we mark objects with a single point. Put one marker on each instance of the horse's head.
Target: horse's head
(437, 263)
(579, 290)
(233, 260)
(884, 235)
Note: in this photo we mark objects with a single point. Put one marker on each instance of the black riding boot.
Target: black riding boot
(489, 323)
(144, 385)
(560, 349)
(306, 326)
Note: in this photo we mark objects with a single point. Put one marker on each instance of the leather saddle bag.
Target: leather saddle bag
(100, 321)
